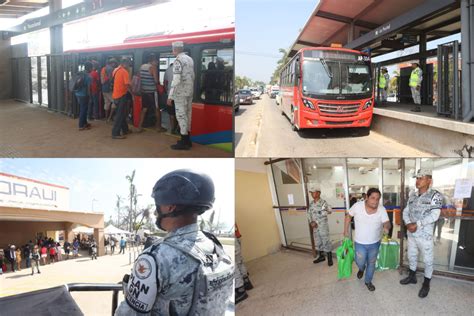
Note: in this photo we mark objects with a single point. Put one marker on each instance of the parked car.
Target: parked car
(255, 93)
(236, 102)
(244, 96)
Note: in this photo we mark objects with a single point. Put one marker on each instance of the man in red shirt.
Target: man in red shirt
(95, 92)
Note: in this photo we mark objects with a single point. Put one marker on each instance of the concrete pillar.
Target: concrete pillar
(99, 237)
(56, 44)
(68, 233)
(5, 70)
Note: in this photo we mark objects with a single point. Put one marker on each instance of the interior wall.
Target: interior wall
(255, 216)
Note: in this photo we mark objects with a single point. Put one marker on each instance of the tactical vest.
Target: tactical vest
(382, 81)
(414, 77)
(213, 284)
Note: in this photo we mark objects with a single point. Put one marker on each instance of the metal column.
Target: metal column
(467, 53)
(56, 63)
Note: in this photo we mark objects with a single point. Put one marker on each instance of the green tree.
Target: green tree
(241, 82)
(282, 62)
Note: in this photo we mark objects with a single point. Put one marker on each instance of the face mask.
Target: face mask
(160, 217)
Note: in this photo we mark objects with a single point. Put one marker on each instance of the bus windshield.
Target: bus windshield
(322, 77)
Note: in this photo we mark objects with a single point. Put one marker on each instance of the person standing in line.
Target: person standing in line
(181, 92)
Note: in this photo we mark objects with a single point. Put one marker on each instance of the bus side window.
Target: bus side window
(217, 73)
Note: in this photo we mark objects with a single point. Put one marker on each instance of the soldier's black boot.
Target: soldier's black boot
(425, 289)
(181, 144)
(411, 278)
(329, 258)
(247, 284)
(240, 294)
(188, 141)
(319, 259)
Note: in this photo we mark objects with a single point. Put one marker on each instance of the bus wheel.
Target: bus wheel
(364, 131)
(292, 121)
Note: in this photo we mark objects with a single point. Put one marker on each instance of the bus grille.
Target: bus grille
(338, 108)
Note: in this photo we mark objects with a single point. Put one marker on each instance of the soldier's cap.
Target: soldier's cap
(178, 44)
(384, 68)
(423, 172)
(314, 188)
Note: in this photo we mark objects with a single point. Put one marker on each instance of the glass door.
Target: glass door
(289, 185)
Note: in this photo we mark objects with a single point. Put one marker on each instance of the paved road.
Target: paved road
(261, 131)
(106, 269)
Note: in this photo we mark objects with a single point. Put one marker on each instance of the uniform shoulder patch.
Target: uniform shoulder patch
(177, 67)
(437, 198)
(142, 286)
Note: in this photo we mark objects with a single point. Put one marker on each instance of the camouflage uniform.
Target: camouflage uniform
(173, 288)
(182, 88)
(240, 270)
(318, 212)
(424, 210)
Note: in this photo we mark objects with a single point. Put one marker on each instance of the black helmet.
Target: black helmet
(185, 187)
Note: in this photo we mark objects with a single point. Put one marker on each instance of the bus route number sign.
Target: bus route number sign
(363, 58)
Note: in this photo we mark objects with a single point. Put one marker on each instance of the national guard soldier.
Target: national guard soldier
(420, 214)
(384, 80)
(242, 280)
(187, 271)
(416, 77)
(318, 219)
(181, 92)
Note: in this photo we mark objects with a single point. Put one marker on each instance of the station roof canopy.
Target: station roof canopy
(12, 9)
(381, 25)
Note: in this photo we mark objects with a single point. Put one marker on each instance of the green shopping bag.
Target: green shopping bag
(345, 257)
(389, 255)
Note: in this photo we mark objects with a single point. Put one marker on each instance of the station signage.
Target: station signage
(27, 193)
(79, 11)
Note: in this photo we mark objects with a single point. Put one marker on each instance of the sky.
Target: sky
(262, 28)
(103, 179)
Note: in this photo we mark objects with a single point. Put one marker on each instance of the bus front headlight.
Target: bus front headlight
(367, 105)
(308, 104)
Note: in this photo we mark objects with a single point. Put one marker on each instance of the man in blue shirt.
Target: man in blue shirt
(82, 94)
(122, 246)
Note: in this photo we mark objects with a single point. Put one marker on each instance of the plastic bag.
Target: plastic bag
(389, 254)
(345, 257)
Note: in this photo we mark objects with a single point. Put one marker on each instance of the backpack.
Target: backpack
(78, 82)
(214, 283)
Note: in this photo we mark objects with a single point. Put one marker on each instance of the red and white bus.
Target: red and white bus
(327, 87)
(213, 55)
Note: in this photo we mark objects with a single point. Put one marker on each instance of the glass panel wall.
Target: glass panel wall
(343, 181)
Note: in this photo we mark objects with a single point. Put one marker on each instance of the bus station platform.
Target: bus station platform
(31, 131)
(425, 130)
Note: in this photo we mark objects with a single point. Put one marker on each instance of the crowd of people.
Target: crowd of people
(117, 85)
(43, 252)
